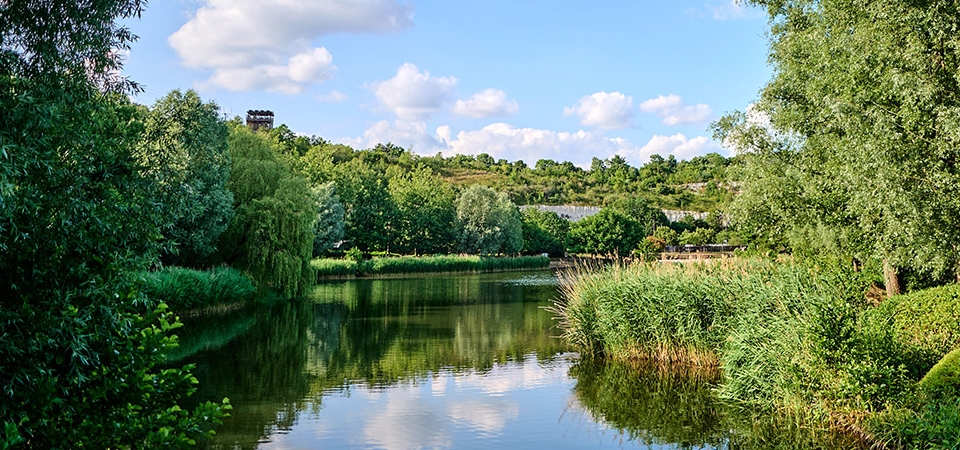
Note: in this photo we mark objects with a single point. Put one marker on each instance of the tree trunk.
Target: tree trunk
(891, 279)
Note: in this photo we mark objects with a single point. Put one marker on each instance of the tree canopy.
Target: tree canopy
(860, 157)
(80, 344)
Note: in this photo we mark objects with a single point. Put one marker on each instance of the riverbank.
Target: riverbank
(789, 339)
(380, 266)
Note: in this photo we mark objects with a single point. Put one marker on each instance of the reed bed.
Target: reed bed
(787, 337)
(334, 268)
(185, 290)
(426, 264)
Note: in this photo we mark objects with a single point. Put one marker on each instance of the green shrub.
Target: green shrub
(943, 380)
(187, 289)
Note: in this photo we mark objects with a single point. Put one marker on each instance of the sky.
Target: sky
(566, 80)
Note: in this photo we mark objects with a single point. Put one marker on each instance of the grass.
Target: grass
(788, 338)
(328, 268)
(186, 290)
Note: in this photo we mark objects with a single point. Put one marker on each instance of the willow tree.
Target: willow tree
(272, 233)
(864, 106)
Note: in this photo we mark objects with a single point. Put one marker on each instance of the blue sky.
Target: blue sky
(563, 79)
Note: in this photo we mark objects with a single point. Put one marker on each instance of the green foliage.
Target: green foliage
(78, 223)
(794, 339)
(81, 346)
(858, 157)
(184, 147)
(425, 264)
(928, 320)
(425, 212)
(330, 217)
(639, 209)
(668, 235)
(68, 42)
(488, 221)
(451, 263)
(271, 236)
(334, 268)
(371, 216)
(699, 236)
(607, 232)
(186, 289)
(544, 232)
(943, 379)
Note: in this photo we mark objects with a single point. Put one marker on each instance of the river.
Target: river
(459, 362)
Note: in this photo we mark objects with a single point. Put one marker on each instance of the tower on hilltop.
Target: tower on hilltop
(257, 119)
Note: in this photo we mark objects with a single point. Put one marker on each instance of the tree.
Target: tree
(185, 148)
(640, 210)
(544, 232)
(425, 212)
(272, 234)
(488, 221)
(371, 214)
(607, 232)
(80, 344)
(866, 126)
(330, 213)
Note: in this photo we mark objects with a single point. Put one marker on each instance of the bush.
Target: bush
(187, 289)
(943, 380)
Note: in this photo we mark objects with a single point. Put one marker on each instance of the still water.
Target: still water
(460, 362)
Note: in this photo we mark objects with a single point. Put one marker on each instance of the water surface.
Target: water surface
(469, 361)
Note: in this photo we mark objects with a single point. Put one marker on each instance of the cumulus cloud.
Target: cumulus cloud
(604, 110)
(414, 95)
(411, 135)
(291, 78)
(487, 103)
(252, 44)
(679, 146)
(674, 112)
(502, 140)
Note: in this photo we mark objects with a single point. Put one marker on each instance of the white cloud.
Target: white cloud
(487, 103)
(605, 110)
(502, 140)
(679, 146)
(414, 95)
(505, 141)
(301, 70)
(674, 112)
(253, 45)
(411, 135)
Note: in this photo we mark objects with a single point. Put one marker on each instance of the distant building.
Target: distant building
(257, 119)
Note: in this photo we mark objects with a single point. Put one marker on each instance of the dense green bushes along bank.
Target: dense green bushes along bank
(788, 338)
(186, 289)
(327, 268)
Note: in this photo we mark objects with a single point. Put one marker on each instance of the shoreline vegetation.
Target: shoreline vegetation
(190, 292)
(329, 268)
(814, 342)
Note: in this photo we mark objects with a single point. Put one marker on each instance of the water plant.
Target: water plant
(187, 289)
